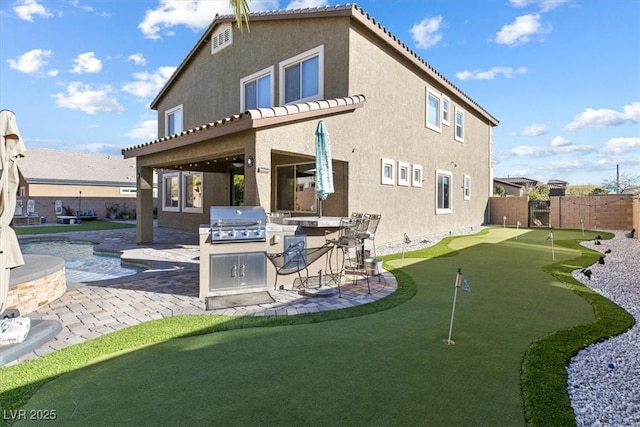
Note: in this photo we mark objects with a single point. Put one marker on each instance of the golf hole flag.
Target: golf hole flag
(461, 282)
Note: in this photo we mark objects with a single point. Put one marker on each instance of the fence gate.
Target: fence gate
(539, 213)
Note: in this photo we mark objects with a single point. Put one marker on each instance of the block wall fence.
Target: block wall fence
(604, 212)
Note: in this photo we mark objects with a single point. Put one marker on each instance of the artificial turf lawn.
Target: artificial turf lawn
(390, 367)
(84, 226)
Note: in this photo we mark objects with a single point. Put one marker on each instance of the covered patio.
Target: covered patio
(262, 157)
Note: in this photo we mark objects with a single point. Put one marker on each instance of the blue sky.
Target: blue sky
(562, 76)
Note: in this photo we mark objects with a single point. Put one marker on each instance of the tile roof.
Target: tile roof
(252, 119)
(56, 166)
(351, 10)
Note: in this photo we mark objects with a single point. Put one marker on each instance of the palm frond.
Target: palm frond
(240, 10)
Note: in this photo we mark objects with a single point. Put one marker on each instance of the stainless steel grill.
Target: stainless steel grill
(233, 224)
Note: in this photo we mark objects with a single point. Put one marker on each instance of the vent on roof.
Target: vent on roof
(221, 37)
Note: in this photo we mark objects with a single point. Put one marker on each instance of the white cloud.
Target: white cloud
(27, 9)
(98, 147)
(304, 4)
(195, 14)
(532, 130)
(148, 84)
(490, 74)
(86, 63)
(521, 31)
(605, 117)
(622, 145)
(30, 62)
(560, 141)
(145, 129)
(85, 98)
(427, 33)
(138, 59)
(544, 5)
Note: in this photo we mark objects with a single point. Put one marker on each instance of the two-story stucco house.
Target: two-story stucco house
(406, 143)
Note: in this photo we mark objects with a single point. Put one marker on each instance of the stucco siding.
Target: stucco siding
(267, 44)
(393, 126)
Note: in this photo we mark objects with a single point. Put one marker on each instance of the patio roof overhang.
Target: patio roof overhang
(251, 119)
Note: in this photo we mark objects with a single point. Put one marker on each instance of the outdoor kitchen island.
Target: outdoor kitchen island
(233, 248)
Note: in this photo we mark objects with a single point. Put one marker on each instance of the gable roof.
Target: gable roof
(351, 10)
(46, 166)
(250, 119)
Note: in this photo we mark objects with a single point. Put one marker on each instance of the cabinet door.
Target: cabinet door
(224, 272)
(252, 269)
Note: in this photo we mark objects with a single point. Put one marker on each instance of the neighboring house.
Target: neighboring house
(406, 142)
(516, 186)
(52, 180)
(557, 187)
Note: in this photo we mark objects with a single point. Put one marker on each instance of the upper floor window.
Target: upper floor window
(443, 192)
(221, 37)
(459, 135)
(256, 90)
(446, 102)
(434, 110)
(173, 121)
(302, 77)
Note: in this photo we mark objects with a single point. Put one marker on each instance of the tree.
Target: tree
(539, 192)
(626, 182)
(240, 10)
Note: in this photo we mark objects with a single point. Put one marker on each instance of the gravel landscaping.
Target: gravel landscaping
(604, 378)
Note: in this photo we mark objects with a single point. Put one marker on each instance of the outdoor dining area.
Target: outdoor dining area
(343, 252)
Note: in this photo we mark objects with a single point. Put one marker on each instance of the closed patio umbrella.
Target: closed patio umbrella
(11, 149)
(324, 171)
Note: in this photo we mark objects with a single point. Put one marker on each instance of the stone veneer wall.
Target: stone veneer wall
(33, 294)
(514, 208)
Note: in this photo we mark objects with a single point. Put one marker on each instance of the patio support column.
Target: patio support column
(144, 205)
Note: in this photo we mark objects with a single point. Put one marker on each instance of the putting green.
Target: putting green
(391, 367)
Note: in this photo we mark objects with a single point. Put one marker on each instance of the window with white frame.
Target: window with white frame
(171, 192)
(459, 131)
(221, 37)
(192, 192)
(443, 192)
(446, 103)
(466, 188)
(256, 90)
(403, 174)
(434, 110)
(387, 170)
(173, 121)
(302, 77)
(416, 175)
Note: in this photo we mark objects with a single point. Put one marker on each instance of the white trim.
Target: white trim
(460, 111)
(440, 211)
(466, 187)
(403, 181)
(221, 37)
(447, 111)
(269, 71)
(172, 111)
(183, 192)
(316, 51)
(416, 182)
(387, 178)
(166, 176)
(430, 92)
